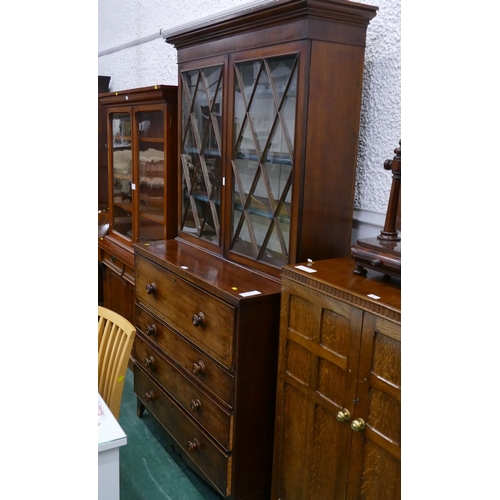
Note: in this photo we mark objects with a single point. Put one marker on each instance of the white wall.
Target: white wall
(155, 62)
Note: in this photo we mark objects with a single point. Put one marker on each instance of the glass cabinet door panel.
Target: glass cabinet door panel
(262, 161)
(122, 173)
(201, 152)
(151, 188)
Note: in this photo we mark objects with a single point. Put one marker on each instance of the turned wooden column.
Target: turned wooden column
(383, 253)
(390, 232)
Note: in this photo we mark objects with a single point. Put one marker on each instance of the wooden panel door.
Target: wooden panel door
(318, 361)
(375, 465)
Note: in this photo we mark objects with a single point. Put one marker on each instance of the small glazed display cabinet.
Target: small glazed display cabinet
(205, 362)
(141, 146)
(338, 413)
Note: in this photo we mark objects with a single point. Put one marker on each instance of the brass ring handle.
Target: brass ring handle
(199, 367)
(148, 396)
(196, 405)
(151, 288)
(343, 415)
(358, 425)
(193, 445)
(149, 361)
(151, 330)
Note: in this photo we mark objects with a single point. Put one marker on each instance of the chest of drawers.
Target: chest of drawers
(206, 362)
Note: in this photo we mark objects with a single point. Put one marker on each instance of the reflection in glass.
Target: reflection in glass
(201, 152)
(150, 126)
(262, 161)
(122, 174)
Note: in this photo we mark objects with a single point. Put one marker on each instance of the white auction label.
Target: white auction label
(306, 269)
(249, 294)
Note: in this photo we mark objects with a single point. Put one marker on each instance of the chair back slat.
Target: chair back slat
(115, 340)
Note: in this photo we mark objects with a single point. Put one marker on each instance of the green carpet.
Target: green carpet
(149, 467)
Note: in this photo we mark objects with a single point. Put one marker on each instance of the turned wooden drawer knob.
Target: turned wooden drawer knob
(196, 405)
(149, 361)
(193, 445)
(199, 367)
(151, 330)
(358, 425)
(199, 319)
(151, 288)
(148, 396)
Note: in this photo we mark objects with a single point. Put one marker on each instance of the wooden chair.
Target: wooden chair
(115, 339)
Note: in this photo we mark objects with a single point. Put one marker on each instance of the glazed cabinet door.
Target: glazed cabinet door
(316, 395)
(263, 112)
(202, 90)
(375, 465)
(150, 130)
(121, 172)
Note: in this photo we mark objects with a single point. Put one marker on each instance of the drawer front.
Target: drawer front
(212, 417)
(198, 446)
(202, 368)
(203, 318)
(113, 262)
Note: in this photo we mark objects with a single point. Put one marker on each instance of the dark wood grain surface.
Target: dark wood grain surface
(339, 354)
(222, 278)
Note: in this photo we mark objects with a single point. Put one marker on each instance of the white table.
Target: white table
(111, 437)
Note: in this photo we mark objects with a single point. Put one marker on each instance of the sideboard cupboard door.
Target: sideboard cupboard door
(375, 468)
(338, 417)
(319, 349)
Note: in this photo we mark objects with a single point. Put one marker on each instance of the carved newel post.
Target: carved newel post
(383, 253)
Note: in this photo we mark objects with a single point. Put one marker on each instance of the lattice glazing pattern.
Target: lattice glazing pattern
(201, 152)
(262, 158)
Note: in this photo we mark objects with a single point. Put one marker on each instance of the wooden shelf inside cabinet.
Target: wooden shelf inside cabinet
(272, 183)
(151, 139)
(142, 182)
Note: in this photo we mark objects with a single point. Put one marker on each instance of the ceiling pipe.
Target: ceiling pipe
(164, 32)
